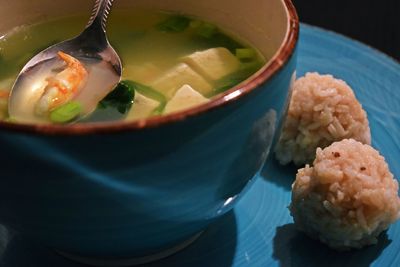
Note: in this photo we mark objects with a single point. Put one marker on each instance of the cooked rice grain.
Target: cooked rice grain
(322, 110)
(347, 198)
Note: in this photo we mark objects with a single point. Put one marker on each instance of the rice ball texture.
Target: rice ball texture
(322, 110)
(347, 198)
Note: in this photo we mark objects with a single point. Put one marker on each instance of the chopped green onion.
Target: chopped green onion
(176, 23)
(66, 112)
(120, 98)
(245, 53)
(207, 30)
(150, 93)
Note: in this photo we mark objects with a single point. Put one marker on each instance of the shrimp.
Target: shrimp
(63, 86)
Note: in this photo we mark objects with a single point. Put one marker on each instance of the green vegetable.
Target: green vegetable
(120, 98)
(244, 72)
(150, 93)
(66, 112)
(245, 53)
(206, 30)
(176, 23)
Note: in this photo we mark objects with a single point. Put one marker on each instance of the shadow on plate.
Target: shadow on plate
(294, 249)
(215, 247)
(282, 176)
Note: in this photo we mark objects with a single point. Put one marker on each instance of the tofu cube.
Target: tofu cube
(177, 77)
(142, 107)
(184, 98)
(214, 63)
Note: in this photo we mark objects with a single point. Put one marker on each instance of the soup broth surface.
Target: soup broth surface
(170, 61)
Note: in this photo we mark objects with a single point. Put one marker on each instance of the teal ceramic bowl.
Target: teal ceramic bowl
(130, 190)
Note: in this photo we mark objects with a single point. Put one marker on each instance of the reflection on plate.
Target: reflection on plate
(259, 231)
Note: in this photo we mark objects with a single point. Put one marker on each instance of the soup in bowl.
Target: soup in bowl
(171, 62)
(147, 173)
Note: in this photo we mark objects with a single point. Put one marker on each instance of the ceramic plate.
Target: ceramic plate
(260, 231)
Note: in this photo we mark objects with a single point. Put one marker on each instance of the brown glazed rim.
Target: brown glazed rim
(282, 56)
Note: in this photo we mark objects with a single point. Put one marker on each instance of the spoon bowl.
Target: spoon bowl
(91, 48)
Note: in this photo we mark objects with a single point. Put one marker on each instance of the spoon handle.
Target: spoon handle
(100, 12)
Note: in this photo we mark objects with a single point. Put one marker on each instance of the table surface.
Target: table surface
(375, 23)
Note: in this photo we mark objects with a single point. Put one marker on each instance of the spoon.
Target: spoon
(91, 48)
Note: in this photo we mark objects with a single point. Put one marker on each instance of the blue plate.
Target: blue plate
(260, 231)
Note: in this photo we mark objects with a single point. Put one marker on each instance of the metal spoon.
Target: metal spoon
(92, 48)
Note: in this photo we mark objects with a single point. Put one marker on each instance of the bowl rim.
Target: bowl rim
(276, 63)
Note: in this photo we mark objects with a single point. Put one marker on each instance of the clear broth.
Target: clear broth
(145, 51)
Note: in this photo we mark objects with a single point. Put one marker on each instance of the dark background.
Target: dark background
(374, 22)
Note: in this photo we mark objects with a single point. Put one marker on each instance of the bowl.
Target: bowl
(143, 190)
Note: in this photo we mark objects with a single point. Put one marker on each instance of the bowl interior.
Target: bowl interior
(269, 25)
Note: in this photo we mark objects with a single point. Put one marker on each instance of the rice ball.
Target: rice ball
(347, 198)
(322, 110)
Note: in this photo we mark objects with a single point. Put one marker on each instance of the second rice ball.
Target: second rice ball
(347, 198)
(322, 110)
